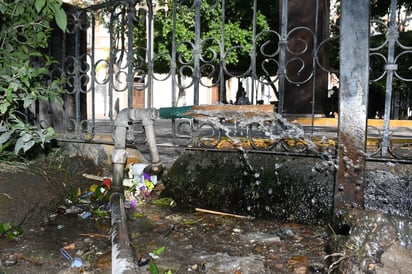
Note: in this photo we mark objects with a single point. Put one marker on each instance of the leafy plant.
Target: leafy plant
(25, 78)
(11, 232)
(152, 266)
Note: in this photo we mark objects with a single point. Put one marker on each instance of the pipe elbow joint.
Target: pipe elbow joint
(119, 156)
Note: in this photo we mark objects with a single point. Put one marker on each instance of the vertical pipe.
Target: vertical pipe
(354, 83)
(390, 67)
(283, 44)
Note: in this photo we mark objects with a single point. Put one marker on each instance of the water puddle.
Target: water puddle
(197, 242)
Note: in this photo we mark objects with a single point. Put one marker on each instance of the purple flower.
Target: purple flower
(146, 176)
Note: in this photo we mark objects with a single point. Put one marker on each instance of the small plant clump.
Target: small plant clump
(25, 77)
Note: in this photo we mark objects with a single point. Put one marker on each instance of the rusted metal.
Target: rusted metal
(354, 81)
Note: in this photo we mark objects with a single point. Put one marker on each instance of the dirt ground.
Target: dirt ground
(35, 197)
(31, 196)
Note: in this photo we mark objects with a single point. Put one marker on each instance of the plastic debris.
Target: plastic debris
(85, 215)
(140, 184)
(76, 262)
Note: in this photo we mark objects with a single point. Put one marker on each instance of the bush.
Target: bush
(25, 78)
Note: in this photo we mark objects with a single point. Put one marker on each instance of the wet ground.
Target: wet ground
(198, 242)
(172, 241)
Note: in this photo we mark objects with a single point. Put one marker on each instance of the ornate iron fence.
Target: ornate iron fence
(285, 61)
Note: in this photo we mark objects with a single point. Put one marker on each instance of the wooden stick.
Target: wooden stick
(95, 235)
(27, 259)
(222, 213)
(93, 177)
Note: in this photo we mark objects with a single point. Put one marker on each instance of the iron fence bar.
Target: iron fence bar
(173, 65)
(150, 53)
(77, 83)
(222, 88)
(283, 44)
(253, 59)
(93, 72)
(314, 64)
(390, 67)
(354, 84)
(130, 53)
(196, 53)
(111, 66)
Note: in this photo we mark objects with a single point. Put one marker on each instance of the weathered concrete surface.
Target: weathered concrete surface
(101, 154)
(389, 188)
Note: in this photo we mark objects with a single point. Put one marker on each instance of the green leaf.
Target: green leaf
(19, 9)
(159, 250)
(4, 107)
(4, 228)
(165, 202)
(15, 233)
(5, 137)
(39, 4)
(61, 18)
(153, 268)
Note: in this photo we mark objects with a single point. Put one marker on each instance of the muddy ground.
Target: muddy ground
(35, 197)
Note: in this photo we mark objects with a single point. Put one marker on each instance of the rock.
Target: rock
(394, 260)
(258, 185)
(376, 242)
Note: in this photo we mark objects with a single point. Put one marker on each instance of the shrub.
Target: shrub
(25, 78)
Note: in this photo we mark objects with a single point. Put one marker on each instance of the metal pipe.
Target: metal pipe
(147, 117)
(123, 257)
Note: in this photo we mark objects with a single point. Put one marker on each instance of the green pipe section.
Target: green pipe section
(174, 112)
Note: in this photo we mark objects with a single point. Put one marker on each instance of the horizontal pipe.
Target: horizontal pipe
(174, 112)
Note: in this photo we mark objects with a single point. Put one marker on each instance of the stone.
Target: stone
(376, 242)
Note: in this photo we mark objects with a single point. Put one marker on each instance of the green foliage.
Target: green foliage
(238, 31)
(11, 232)
(24, 69)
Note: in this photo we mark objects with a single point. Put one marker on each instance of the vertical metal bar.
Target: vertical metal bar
(77, 68)
(130, 53)
(222, 89)
(93, 72)
(391, 36)
(112, 62)
(314, 62)
(354, 83)
(283, 43)
(173, 65)
(254, 75)
(196, 53)
(150, 18)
